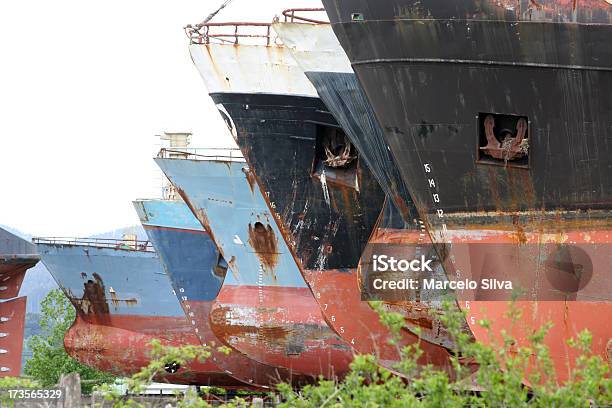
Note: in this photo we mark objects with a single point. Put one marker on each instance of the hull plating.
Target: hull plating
(427, 82)
(16, 257)
(126, 295)
(320, 56)
(123, 349)
(226, 201)
(285, 321)
(317, 51)
(102, 282)
(326, 221)
(192, 263)
(12, 272)
(185, 249)
(564, 273)
(11, 339)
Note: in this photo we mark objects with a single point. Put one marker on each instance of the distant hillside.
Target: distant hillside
(36, 284)
(118, 233)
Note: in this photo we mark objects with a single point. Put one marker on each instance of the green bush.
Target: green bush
(369, 385)
(49, 358)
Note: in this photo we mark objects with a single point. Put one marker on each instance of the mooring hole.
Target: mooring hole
(336, 159)
(259, 228)
(503, 139)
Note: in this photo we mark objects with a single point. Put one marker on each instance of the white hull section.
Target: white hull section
(250, 69)
(314, 47)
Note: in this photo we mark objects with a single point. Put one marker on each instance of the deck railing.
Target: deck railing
(291, 16)
(124, 244)
(230, 32)
(233, 32)
(205, 154)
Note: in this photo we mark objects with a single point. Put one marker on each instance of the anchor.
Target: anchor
(511, 147)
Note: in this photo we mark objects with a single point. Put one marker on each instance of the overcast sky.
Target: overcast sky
(84, 86)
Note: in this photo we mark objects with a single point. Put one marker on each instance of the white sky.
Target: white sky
(84, 86)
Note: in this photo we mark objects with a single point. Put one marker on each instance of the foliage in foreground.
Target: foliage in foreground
(369, 385)
(161, 357)
(49, 358)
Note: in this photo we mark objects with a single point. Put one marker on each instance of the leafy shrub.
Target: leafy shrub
(49, 358)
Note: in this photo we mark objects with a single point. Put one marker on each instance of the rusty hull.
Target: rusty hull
(443, 79)
(197, 273)
(319, 54)
(325, 221)
(124, 348)
(12, 318)
(264, 309)
(249, 319)
(123, 300)
(560, 264)
(238, 364)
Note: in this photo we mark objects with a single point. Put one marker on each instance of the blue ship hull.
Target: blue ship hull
(197, 272)
(185, 249)
(123, 300)
(265, 308)
(102, 282)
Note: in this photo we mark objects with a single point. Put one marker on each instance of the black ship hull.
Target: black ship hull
(346, 100)
(327, 214)
(499, 121)
(319, 54)
(399, 222)
(329, 222)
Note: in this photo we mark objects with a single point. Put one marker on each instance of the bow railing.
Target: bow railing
(230, 33)
(206, 154)
(125, 244)
(297, 15)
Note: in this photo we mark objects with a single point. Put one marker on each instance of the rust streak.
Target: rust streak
(95, 296)
(264, 242)
(93, 305)
(250, 179)
(233, 265)
(520, 232)
(114, 299)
